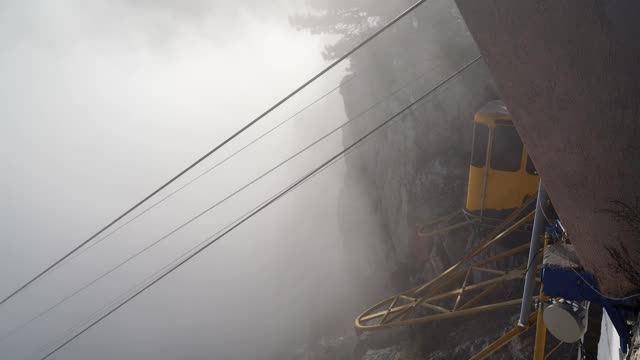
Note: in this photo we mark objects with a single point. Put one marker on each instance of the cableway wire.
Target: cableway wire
(150, 278)
(202, 213)
(158, 272)
(297, 183)
(223, 143)
(174, 261)
(235, 153)
(601, 294)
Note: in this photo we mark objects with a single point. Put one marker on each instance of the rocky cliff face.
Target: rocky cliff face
(413, 171)
(416, 169)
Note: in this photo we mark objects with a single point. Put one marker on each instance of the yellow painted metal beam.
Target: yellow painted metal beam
(516, 274)
(541, 335)
(421, 233)
(479, 297)
(435, 317)
(490, 271)
(505, 254)
(464, 286)
(400, 310)
(504, 339)
(427, 305)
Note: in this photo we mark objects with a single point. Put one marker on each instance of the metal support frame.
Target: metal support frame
(487, 165)
(536, 318)
(440, 299)
(536, 235)
(436, 300)
(541, 332)
(541, 328)
(436, 227)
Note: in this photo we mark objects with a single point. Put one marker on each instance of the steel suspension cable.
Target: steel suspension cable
(215, 205)
(235, 153)
(11, 332)
(217, 147)
(209, 241)
(158, 273)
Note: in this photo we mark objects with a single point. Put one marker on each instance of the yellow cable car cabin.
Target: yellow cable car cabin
(501, 174)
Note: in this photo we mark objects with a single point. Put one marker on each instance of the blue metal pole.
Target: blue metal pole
(536, 236)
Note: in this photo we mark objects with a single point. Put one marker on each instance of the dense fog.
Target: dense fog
(103, 101)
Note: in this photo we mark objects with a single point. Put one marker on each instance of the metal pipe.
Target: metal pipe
(441, 230)
(541, 328)
(487, 164)
(541, 335)
(538, 228)
(430, 318)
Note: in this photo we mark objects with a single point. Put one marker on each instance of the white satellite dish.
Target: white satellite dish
(566, 322)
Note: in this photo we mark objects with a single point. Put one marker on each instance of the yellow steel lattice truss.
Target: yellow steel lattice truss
(453, 293)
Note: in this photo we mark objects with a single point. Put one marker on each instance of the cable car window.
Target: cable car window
(507, 149)
(480, 140)
(531, 169)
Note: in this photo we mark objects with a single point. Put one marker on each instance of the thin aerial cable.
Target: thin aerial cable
(341, 85)
(205, 172)
(174, 261)
(601, 294)
(153, 276)
(223, 143)
(202, 213)
(212, 240)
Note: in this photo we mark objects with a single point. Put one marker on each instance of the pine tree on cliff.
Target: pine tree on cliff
(351, 20)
